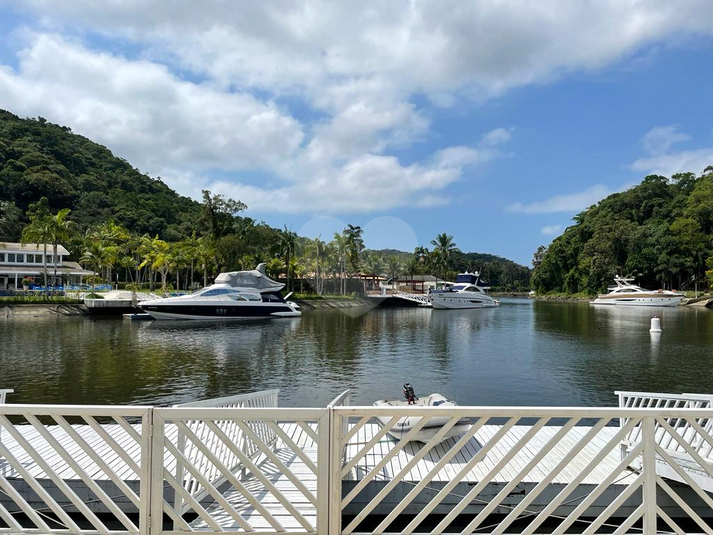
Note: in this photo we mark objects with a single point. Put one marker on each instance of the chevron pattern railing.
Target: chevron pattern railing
(507, 477)
(267, 495)
(337, 471)
(45, 451)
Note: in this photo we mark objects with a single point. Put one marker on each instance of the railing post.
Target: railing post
(649, 470)
(335, 471)
(145, 484)
(156, 473)
(324, 463)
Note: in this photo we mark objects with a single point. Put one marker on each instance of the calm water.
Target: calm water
(523, 353)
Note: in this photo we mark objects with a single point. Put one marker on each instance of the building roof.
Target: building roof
(31, 248)
(418, 278)
(69, 268)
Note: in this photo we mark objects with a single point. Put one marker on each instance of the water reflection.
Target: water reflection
(522, 353)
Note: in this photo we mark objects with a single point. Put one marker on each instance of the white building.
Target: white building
(20, 260)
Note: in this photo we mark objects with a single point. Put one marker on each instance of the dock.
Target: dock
(243, 464)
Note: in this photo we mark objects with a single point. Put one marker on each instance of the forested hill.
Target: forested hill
(658, 231)
(41, 159)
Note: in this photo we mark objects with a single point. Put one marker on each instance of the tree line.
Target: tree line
(660, 232)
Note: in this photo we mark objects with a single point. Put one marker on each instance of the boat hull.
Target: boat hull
(452, 302)
(194, 311)
(655, 301)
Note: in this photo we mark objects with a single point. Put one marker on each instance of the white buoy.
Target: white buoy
(655, 325)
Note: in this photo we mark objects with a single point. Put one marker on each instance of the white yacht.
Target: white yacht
(237, 294)
(626, 293)
(467, 292)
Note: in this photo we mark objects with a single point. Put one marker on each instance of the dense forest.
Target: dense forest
(658, 231)
(59, 187)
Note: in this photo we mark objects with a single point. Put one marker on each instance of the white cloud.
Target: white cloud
(551, 230)
(347, 77)
(659, 139)
(144, 113)
(496, 137)
(572, 202)
(679, 162)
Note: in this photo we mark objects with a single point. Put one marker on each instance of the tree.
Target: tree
(60, 231)
(219, 213)
(287, 244)
(444, 248)
(39, 231)
(355, 244)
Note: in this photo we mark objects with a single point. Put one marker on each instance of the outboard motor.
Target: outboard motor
(409, 394)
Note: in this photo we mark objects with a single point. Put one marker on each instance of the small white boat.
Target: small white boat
(467, 292)
(432, 427)
(626, 293)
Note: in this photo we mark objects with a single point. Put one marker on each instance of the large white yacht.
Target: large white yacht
(237, 294)
(467, 292)
(626, 293)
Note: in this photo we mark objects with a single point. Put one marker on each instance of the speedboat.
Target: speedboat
(405, 424)
(237, 294)
(626, 293)
(467, 292)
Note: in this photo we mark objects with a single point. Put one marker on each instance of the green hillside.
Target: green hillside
(41, 159)
(658, 231)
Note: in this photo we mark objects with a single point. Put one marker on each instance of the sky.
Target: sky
(493, 121)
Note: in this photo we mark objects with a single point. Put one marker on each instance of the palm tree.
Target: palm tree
(96, 257)
(318, 250)
(204, 254)
(444, 246)
(394, 268)
(61, 230)
(356, 244)
(287, 243)
(39, 231)
(340, 246)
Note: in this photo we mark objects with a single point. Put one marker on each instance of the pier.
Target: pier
(243, 464)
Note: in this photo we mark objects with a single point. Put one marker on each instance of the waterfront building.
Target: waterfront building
(20, 261)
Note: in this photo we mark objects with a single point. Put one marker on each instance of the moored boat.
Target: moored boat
(469, 291)
(113, 303)
(237, 294)
(626, 293)
(405, 424)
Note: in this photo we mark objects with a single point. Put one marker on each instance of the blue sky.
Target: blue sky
(494, 122)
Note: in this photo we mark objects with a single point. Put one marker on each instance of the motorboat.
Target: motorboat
(236, 294)
(626, 293)
(405, 424)
(113, 303)
(467, 292)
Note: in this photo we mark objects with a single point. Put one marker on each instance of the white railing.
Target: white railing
(418, 298)
(206, 436)
(82, 477)
(115, 470)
